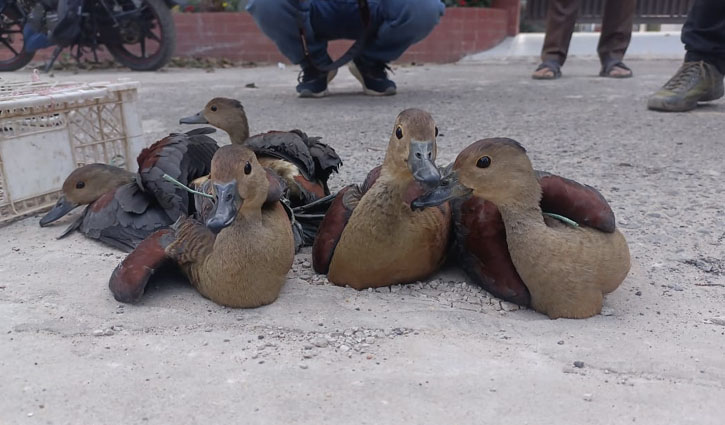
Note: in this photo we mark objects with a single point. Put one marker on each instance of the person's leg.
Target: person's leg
(700, 78)
(615, 37)
(704, 33)
(560, 20)
(280, 21)
(401, 23)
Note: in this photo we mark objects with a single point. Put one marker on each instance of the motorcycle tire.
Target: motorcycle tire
(167, 45)
(10, 17)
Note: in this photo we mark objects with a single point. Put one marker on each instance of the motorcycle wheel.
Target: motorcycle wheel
(12, 42)
(154, 32)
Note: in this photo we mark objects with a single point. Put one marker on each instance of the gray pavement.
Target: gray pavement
(439, 351)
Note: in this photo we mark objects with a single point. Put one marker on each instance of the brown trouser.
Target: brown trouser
(613, 42)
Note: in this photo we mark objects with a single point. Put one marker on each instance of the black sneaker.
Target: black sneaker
(373, 77)
(313, 82)
(694, 82)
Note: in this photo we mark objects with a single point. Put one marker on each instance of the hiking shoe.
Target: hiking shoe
(312, 82)
(694, 82)
(373, 77)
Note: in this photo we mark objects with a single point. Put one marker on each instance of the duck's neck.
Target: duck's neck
(238, 130)
(523, 216)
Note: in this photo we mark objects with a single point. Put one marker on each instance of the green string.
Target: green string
(168, 178)
(563, 219)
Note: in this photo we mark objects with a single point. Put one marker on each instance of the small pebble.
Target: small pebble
(303, 366)
(638, 293)
(320, 342)
(579, 364)
(560, 342)
(588, 397)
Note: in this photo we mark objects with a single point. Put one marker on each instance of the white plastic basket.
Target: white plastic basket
(47, 129)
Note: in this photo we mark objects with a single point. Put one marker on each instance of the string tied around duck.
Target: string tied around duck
(168, 178)
(563, 219)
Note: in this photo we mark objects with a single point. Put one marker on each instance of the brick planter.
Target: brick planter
(235, 36)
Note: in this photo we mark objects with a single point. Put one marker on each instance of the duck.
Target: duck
(305, 163)
(123, 208)
(565, 268)
(239, 256)
(370, 236)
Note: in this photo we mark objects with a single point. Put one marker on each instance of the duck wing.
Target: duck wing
(479, 244)
(312, 162)
(285, 145)
(183, 156)
(581, 203)
(327, 161)
(128, 280)
(338, 213)
(121, 218)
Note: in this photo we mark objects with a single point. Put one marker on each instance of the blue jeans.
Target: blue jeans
(400, 24)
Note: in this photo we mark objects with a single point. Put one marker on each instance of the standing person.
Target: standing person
(700, 78)
(389, 27)
(613, 41)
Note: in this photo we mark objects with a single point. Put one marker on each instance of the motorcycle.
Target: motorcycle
(139, 34)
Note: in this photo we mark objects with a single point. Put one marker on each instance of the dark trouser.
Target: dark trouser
(704, 33)
(613, 42)
(400, 24)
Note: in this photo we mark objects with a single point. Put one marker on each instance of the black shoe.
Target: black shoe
(694, 82)
(313, 82)
(373, 77)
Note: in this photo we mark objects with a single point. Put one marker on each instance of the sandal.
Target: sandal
(611, 66)
(552, 66)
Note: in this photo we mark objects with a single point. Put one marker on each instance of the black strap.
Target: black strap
(352, 52)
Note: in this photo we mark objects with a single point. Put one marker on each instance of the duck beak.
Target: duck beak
(197, 118)
(225, 210)
(420, 163)
(61, 208)
(449, 188)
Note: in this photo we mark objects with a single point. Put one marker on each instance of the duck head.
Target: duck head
(240, 183)
(412, 148)
(226, 114)
(497, 170)
(84, 186)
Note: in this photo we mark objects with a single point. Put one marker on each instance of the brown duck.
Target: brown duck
(370, 236)
(566, 269)
(123, 208)
(303, 162)
(240, 256)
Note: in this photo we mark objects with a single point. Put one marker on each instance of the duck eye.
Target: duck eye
(399, 132)
(483, 162)
(80, 185)
(436, 131)
(247, 168)
(213, 108)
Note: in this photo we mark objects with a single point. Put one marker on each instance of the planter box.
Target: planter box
(235, 36)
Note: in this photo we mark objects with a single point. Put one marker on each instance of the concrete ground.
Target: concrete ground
(433, 352)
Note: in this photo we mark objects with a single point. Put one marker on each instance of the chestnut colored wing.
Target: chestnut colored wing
(481, 249)
(576, 201)
(183, 156)
(336, 218)
(128, 280)
(332, 226)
